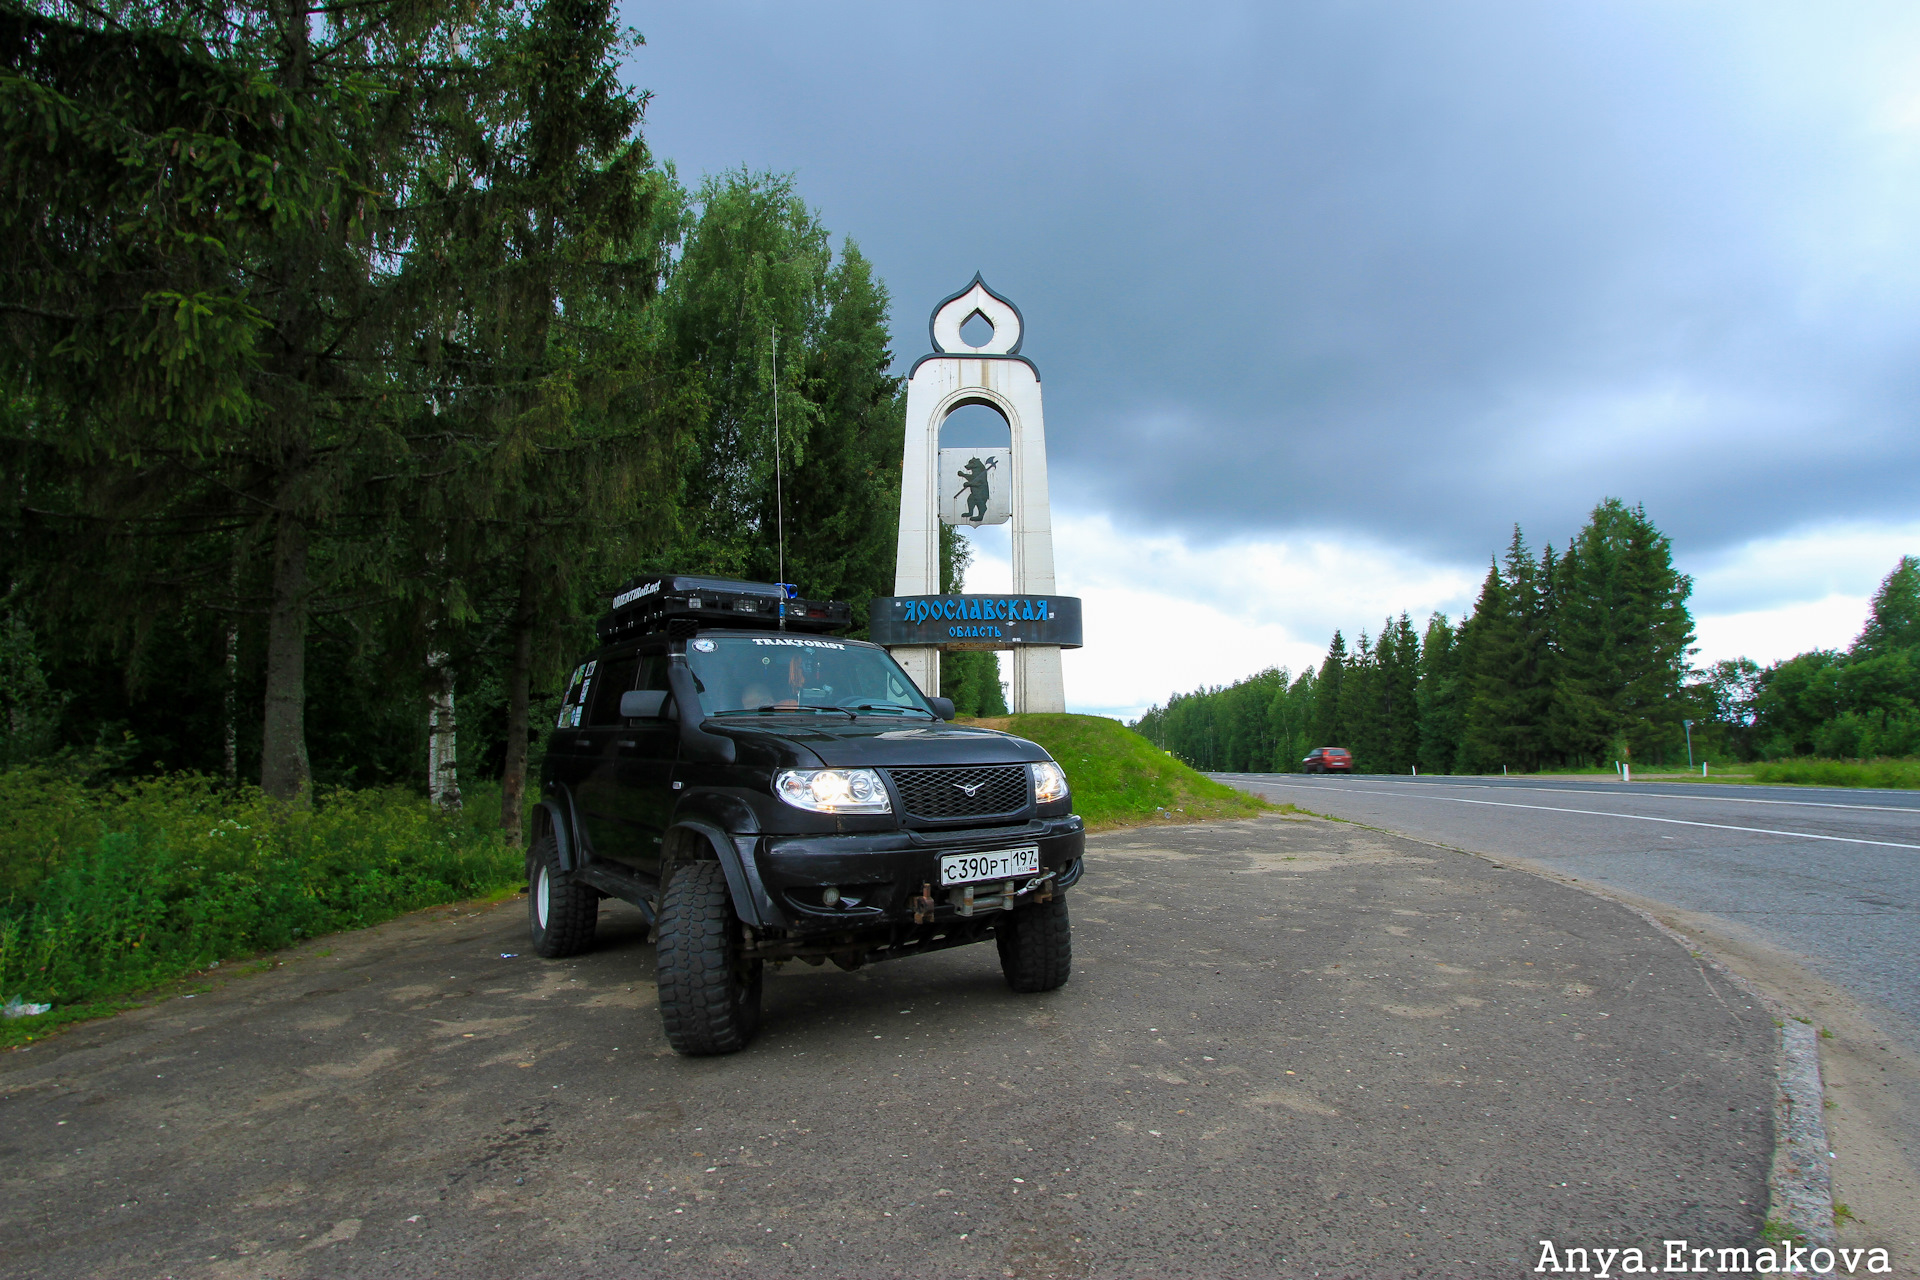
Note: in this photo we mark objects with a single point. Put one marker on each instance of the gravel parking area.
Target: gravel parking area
(1290, 1047)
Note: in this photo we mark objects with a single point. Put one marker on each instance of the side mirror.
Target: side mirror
(942, 707)
(643, 704)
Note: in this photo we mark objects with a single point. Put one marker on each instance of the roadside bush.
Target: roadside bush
(104, 890)
(1839, 773)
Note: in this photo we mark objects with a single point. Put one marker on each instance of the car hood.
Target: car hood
(801, 740)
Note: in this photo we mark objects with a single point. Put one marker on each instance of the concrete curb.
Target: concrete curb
(1801, 1183)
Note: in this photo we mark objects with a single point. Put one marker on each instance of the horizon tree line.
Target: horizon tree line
(1571, 660)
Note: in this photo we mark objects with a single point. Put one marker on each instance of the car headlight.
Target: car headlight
(833, 790)
(1049, 782)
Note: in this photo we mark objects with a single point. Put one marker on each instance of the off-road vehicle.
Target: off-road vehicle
(763, 789)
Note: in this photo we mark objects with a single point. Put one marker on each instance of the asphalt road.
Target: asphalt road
(1828, 874)
(1289, 1048)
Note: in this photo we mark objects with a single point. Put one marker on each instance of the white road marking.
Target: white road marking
(1637, 795)
(1640, 817)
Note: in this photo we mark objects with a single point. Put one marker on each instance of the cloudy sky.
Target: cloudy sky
(1327, 296)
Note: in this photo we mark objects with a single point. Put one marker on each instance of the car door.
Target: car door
(597, 761)
(647, 750)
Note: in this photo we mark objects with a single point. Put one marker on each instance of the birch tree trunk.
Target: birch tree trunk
(443, 757)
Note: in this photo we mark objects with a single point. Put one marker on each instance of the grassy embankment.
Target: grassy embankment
(1804, 772)
(1120, 779)
(1838, 773)
(1649, 773)
(109, 891)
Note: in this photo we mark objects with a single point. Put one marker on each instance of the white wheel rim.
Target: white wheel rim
(540, 898)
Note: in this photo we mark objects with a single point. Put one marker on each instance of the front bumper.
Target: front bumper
(883, 877)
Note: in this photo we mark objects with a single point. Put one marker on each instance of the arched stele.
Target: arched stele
(995, 374)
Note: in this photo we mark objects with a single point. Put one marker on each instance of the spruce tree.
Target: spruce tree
(1621, 636)
(1329, 729)
(1400, 681)
(1482, 651)
(1506, 716)
(1360, 714)
(1439, 697)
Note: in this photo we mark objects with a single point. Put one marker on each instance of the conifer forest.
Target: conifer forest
(1570, 660)
(351, 357)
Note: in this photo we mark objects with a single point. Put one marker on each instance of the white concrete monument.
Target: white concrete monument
(971, 487)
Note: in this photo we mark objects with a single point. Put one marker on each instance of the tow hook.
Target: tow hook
(966, 902)
(923, 905)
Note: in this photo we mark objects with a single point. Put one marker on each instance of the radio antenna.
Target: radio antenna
(779, 498)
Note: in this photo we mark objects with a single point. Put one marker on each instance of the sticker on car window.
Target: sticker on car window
(801, 644)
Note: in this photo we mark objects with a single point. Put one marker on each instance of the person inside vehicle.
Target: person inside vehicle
(778, 684)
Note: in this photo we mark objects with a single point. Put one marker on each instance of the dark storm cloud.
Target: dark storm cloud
(1416, 271)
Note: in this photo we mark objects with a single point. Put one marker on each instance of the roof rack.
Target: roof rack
(676, 600)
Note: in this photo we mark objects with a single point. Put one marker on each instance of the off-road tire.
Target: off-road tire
(709, 993)
(1036, 946)
(561, 912)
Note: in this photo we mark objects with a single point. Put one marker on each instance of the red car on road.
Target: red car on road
(1328, 760)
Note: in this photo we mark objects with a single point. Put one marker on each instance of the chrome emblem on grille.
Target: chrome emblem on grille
(970, 790)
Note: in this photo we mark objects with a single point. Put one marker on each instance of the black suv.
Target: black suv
(763, 789)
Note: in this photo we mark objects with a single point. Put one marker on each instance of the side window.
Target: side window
(649, 678)
(614, 678)
(579, 688)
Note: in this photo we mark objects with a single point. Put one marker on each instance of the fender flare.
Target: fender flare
(566, 833)
(750, 901)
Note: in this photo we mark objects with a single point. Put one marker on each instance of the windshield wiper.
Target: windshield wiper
(773, 707)
(892, 706)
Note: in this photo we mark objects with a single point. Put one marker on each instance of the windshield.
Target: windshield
(742, 675)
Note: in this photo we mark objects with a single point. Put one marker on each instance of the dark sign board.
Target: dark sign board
(975, 622)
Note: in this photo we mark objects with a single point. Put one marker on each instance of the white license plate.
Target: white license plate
(1000, 864)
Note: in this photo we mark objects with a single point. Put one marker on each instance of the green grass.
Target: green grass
(1806, 772)
(1652, 773)
(110, 891)
(1119, 779)
(1839, 773)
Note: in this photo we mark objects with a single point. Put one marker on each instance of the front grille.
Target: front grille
(942, 792)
